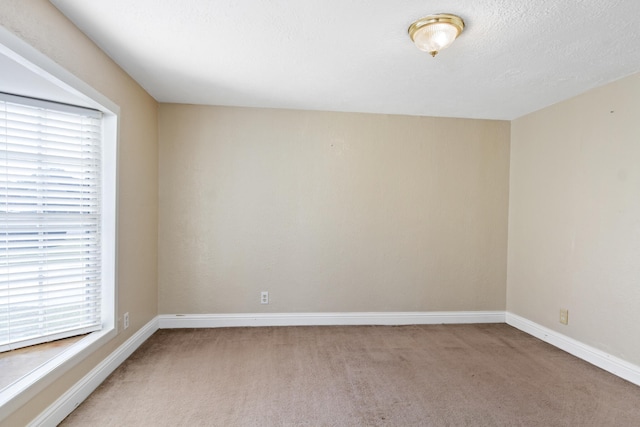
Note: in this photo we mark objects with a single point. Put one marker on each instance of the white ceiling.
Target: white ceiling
(514, 56)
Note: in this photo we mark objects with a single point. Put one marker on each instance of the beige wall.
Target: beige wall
(330, 211)
(574, 220)
(41, 25)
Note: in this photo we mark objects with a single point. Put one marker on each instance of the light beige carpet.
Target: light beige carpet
(441, 375)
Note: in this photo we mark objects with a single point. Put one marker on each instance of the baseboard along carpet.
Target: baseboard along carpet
(419, 375)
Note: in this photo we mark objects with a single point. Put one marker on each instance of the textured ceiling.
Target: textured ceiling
(514, 57)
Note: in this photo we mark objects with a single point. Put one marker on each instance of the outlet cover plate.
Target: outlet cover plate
(564, 316)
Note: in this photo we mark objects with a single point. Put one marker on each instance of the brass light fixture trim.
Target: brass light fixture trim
(431, 41)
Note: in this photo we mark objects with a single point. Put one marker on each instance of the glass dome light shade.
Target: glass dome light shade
(435, 32)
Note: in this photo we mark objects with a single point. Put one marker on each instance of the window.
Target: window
(50, 221)
(27, 71)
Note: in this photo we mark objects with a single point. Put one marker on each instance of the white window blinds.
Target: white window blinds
(50, 193)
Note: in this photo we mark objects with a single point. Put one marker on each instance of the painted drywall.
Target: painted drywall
(330, 212)
(43, 27)
(574, 218)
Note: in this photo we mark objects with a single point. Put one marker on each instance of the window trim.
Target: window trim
(21, 391)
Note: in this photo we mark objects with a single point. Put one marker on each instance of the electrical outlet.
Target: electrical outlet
(564, 316)
(264, 297)
(125, 321)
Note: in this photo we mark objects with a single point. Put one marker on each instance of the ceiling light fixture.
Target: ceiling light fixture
(435, 32)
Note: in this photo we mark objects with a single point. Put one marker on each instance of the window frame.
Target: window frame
(21, 391)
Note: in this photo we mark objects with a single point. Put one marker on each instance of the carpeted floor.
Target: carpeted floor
(436, 375)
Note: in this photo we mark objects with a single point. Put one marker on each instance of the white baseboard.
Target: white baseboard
(599, 358)
(170, 321)
(66, 403)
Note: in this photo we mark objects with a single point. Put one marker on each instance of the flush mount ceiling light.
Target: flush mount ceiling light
(435, 32)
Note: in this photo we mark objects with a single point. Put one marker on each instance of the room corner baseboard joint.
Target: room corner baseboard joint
(73, 397)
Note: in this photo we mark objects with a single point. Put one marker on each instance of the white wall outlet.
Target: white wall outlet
(264, 297)
(564, 316)
(125, 320)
